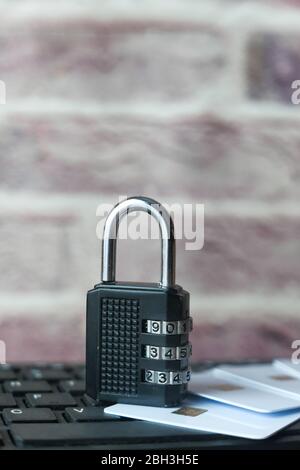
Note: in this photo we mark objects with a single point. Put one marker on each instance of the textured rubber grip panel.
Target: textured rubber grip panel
(119, 356)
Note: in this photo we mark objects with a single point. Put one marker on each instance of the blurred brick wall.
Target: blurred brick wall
(184, 101)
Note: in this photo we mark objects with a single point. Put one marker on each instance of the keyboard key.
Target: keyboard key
(29, 415)
(80, 373)
(50, 400)
(7, 375)
(55, 434)
(88, 414)
(19, 387)
(88, 401)
(57, 365)
(7, 400)
(75, 387)
(6, 367)
(47, 374)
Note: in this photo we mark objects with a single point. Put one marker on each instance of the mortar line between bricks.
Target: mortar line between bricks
(175, 11)
(230, 305)
(243, 109)
(84, 204)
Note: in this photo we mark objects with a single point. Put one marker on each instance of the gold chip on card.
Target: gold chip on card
(189, 411)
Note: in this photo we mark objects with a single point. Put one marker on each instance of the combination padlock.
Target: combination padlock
(138, 348)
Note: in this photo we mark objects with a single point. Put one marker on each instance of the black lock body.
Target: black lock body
(137, 347)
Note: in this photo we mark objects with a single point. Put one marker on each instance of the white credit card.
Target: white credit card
(263, 377)
(288, 366)
(206, 415)
(230, 391)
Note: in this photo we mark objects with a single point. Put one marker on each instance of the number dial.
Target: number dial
(157, 327)
(167, 378)
(168, 353)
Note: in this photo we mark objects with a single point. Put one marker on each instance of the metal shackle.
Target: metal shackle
(166, 226)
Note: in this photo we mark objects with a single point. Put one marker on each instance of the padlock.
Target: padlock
(137, 347)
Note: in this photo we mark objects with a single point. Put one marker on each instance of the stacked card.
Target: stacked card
(251, 401)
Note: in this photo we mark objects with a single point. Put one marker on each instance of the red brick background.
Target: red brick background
(183, 101)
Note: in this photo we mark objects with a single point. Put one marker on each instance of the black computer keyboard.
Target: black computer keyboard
(45, 406)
